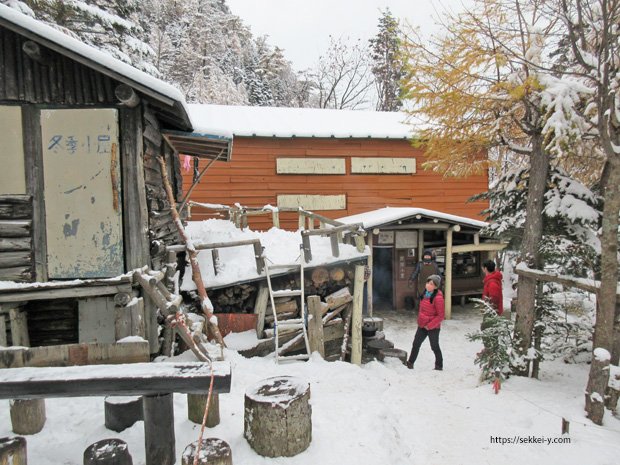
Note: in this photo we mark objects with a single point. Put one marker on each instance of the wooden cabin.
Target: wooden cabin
(398, 238)
(82, 202)
(332, 162)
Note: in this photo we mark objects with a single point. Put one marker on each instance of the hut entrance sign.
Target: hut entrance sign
(82, 193)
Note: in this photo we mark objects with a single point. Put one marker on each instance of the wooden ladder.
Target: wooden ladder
(297, 323)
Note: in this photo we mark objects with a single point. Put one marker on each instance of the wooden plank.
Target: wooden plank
(96, 320)
(33, 159)
(260, 308)
(21, 274)
(313, 202)
(134, 193)
(129, 320)
(3, 338)
(15, 228)
(75, 354)
(19, 327)
(315, 325)
(10, 67)
(70, 292)
(15, 259)
(114, 380)
(356, 316)
(326, 166)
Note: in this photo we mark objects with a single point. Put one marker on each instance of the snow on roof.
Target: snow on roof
(48, 33)
(302, 122)
(390, 214)
(237, 264)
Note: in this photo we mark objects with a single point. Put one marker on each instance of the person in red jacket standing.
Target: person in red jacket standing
(492, 286)
(430, 316)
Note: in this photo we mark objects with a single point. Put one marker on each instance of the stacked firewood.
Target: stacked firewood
(234, 299)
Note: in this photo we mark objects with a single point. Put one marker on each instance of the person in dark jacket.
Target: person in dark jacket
(425, 267)
(492, 286)
(430, 316)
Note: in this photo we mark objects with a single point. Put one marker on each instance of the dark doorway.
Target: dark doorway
(382, 279)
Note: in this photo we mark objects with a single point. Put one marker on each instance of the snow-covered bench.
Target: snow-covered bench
(155, 381)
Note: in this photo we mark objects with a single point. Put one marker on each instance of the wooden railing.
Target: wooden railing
(255, 243)
(336, 236)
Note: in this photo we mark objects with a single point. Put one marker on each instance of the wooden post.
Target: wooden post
(369, 285)
(159, 429)
(215, 258)
(28, 415)
(356, 318)
(597, 385)
(275, 215)
(19, 327)
(334, 241)
(129, 320)
(315, 325)
(258, 256)
(3, 338)
(196, 404)
(565, 426)
(305, 240)
(260, 308)
(13, 451)
(448, 275)
(122, 412)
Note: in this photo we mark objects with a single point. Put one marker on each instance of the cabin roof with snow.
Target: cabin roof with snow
(390, 215)
(302, 122)
(167, 101)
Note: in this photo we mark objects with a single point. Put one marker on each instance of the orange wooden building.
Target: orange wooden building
(332, 162)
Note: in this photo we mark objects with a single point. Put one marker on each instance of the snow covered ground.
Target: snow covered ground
(378, 413)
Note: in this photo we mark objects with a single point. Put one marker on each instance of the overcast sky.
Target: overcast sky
(302, 27)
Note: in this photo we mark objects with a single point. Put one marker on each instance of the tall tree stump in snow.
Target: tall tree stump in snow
(278, 416)
(13, 451)
(108, 452)
(28, 415)
(213, 451)
(597, 385)
(122, 412)
(196, 404)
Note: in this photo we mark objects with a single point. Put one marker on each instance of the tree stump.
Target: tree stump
(392, 353)
(597, 385)
(196, 404)
(212, 452)
(13, 451)
(373, 347)
(278, 416)
(28, 415)
(108, 452)
(122, 412)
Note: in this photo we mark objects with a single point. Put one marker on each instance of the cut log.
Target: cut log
(122, 412)
(384, 354)
(196, 404)
(289, 306)
(108, 452)
(373, 347)
(212, 451)
(278, 416)
(338, 298)
(336, 274)
(319, 276)
(28, 415)
(13, 451)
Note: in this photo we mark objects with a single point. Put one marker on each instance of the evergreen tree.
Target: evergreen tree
(387, 64)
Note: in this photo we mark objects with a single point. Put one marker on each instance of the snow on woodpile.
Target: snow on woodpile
(238, 263)
(300, 122)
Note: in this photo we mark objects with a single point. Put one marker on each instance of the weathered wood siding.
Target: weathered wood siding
(162, 229)
(16, 263)
(60, 80)
(251, 179)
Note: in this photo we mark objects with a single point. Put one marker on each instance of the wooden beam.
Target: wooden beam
(315, 325)
(448, 275)
(127, 96)
(369, 285)
(589, 285)
(260, 308)
(46, 293)
(75, 354)
(484, 247)
(356, 316)
(114, 380)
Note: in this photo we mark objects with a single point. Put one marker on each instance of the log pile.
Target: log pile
(16, 261)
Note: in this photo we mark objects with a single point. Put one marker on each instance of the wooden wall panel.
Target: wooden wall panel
(251, 179)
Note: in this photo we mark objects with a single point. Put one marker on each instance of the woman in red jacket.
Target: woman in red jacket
(430, 316)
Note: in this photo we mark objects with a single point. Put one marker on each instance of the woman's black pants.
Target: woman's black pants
(433, 336)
